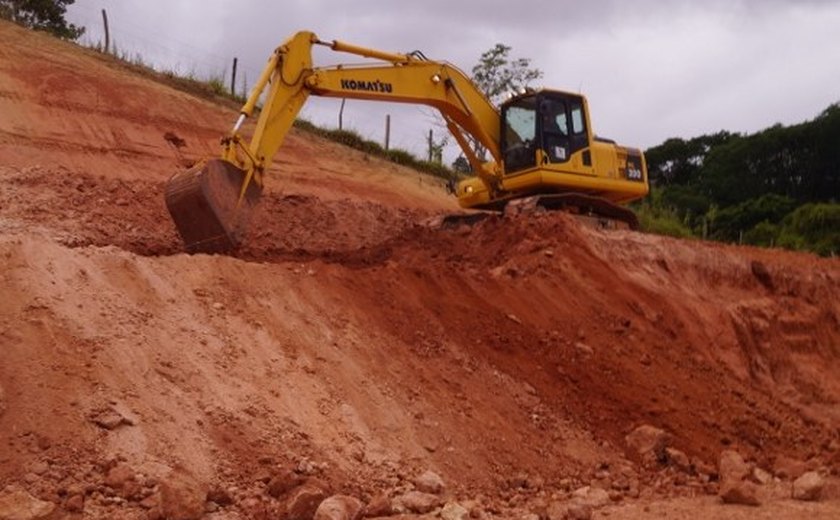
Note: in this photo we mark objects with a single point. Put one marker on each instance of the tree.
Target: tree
(42, 15)
(461, 165)
(496, 73)
(813, 227)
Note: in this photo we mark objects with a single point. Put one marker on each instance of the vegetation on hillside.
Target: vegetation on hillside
(777, 187)
(42, 15)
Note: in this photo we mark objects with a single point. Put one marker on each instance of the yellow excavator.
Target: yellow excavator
(541, 144)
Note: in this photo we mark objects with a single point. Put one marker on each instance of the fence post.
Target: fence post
(107, 31)
(431, 144)
(387, 131)
(233, 79)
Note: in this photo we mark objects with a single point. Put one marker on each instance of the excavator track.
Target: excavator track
(594, 211)
(205, 205)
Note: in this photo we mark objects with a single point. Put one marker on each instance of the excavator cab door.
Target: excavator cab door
(562, 126)
(554, 130)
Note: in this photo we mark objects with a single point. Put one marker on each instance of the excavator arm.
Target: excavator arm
(210, 202)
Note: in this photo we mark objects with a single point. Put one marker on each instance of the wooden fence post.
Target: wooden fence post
(431, 144)
(233, 79)
(107, 32)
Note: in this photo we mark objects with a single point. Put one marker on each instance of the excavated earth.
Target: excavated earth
(353, 345)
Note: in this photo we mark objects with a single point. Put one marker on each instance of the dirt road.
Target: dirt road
(350, 348)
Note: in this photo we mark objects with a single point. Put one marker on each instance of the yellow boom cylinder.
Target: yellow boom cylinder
(369, 53)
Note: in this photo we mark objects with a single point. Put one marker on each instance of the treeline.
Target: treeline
(778, 187)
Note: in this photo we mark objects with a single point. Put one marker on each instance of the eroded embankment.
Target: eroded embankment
(603, 331)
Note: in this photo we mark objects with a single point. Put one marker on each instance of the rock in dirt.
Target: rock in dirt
(591, 497)
(119, 475)
(220, 496)
(788, 468)
(584, 349)
(568, 511)
(17, 504)
(731, 467)
(740, 492)
(430, 482)
(110, 419)
(759, 476)
(182, 496)
(648, 442)
(379, 506)
(417, 502)
(304, 501)
(678, 459)
(283, 482)
(339, 507)
(75, 504)
(808, 487)
(454, 511)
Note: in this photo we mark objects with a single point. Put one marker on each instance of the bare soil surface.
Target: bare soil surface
(352, 345)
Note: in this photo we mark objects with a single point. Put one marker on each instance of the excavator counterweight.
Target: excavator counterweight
(206, 206)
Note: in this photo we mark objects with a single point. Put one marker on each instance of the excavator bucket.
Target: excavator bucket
(204, 202)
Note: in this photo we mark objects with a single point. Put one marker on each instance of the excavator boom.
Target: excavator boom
(211, 203)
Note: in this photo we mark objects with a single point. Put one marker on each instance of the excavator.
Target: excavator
(541, 145)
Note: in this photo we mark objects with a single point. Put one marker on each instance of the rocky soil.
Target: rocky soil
(356, 360)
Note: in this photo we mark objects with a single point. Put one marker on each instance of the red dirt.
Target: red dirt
(357, 344)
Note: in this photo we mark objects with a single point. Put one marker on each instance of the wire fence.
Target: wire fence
(162, 50)
(137, 37)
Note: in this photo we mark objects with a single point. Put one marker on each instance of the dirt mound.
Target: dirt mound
(351, 348)
(81, 210)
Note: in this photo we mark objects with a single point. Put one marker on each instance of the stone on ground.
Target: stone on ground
(18, 504)
(417, 502)
(568, 511)
(591, 497)
(304, 501)
(648, 442)
(740, 492)
(379, 506)
(454, 511)
(182, 496)
(808, 487)
(430, 482)
(731, 467)
(339, 507)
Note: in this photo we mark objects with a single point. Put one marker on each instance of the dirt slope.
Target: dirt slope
(357, 345)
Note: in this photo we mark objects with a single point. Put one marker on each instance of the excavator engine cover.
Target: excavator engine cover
(204, 203)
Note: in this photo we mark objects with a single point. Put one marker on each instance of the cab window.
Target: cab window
(577, 119)
(520, 130)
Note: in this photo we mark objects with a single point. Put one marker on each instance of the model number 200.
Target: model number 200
(634, 174)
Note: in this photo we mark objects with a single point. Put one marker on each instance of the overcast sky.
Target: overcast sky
(652, 69)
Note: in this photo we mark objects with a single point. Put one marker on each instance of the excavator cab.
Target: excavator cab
(551, 157)
(540, 128)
